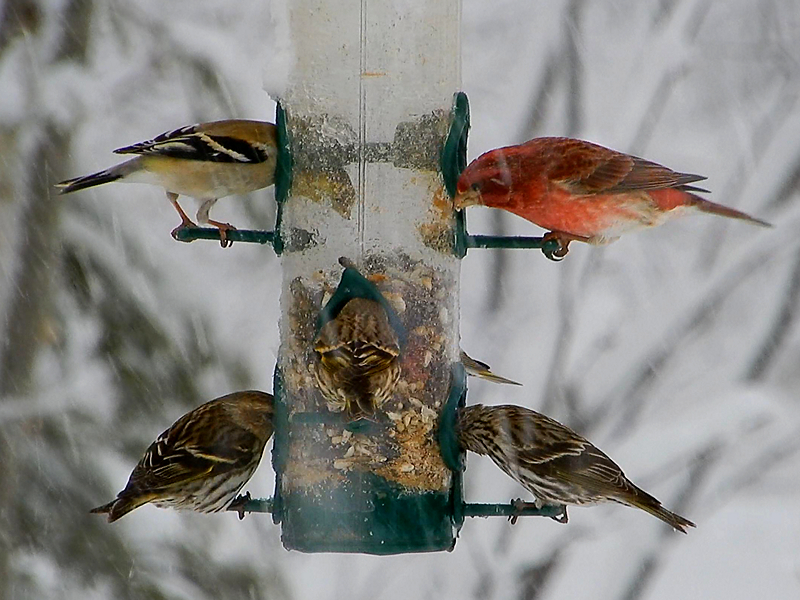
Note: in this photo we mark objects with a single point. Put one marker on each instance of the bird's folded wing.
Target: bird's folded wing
(193, 143)
(587, 169)
(155, 472)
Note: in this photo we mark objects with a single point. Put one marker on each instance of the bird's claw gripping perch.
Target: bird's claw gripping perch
(556, 255)
(239, 503)
(223, 229)
(563, 517)
(520, 505)
(555, 244)
(175, 233)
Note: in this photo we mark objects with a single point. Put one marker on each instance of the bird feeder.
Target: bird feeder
(367, 110)
(371, 142)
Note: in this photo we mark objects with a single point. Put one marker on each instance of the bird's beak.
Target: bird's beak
(466, 198)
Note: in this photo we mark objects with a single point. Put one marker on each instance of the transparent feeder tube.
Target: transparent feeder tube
(367, 109)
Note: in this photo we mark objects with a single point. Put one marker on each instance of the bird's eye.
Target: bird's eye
(476, 187)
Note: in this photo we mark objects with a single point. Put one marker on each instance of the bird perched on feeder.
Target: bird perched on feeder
(357, 366)
(580, 191)
(476, 368)
(552, 462)
(203, 460)
(206, 161)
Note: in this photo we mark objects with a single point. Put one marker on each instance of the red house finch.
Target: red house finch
(203, 460)
(357, 366)
(581, 191)
(206, 161)
(551, 461)
(476, 368)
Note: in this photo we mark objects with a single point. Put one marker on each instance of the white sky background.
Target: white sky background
(700, 86)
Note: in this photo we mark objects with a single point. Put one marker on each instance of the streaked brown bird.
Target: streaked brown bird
(203, 460)
(581, 191)
(206, 161)
(552, 462)
(476, 368)
(357, 366)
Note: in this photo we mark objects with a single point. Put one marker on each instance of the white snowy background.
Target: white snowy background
(675, 350)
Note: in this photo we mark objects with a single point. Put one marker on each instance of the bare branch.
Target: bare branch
(781, 327)
(76, 19)
(628, 402)
(535, 577)
(644, 575)
(29, 308)
(18, 17)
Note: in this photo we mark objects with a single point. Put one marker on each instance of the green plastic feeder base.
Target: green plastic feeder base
(361, 512)
(372, 516)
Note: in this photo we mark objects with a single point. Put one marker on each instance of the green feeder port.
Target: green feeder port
(369, 514)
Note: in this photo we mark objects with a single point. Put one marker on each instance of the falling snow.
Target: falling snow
(674, 350)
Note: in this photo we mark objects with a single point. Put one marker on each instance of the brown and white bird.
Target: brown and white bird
(476, 368)
(206, 161)
(552, 462)
(357, 366)
(203, 460)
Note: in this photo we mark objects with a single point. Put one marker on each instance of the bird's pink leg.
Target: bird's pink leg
(563, 240)
(223, 228)
(202, 216)
(185, 220)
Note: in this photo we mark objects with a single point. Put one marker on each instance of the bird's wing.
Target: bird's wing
(197, 443)
(584, 168)
(350, 363)
(544, 440)
(360, 337)
(234, 141)
(593, 470)
(373, 357)
(162, 467)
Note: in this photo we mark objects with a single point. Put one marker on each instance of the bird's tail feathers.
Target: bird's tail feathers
(649, 504)
(693, 188)
(107, 176)
(479, 369)
(360, 405)
(488, 375)
(81, 183)
(713, 208)
(121, 506)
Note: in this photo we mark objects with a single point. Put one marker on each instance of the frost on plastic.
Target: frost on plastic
(368, 106)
